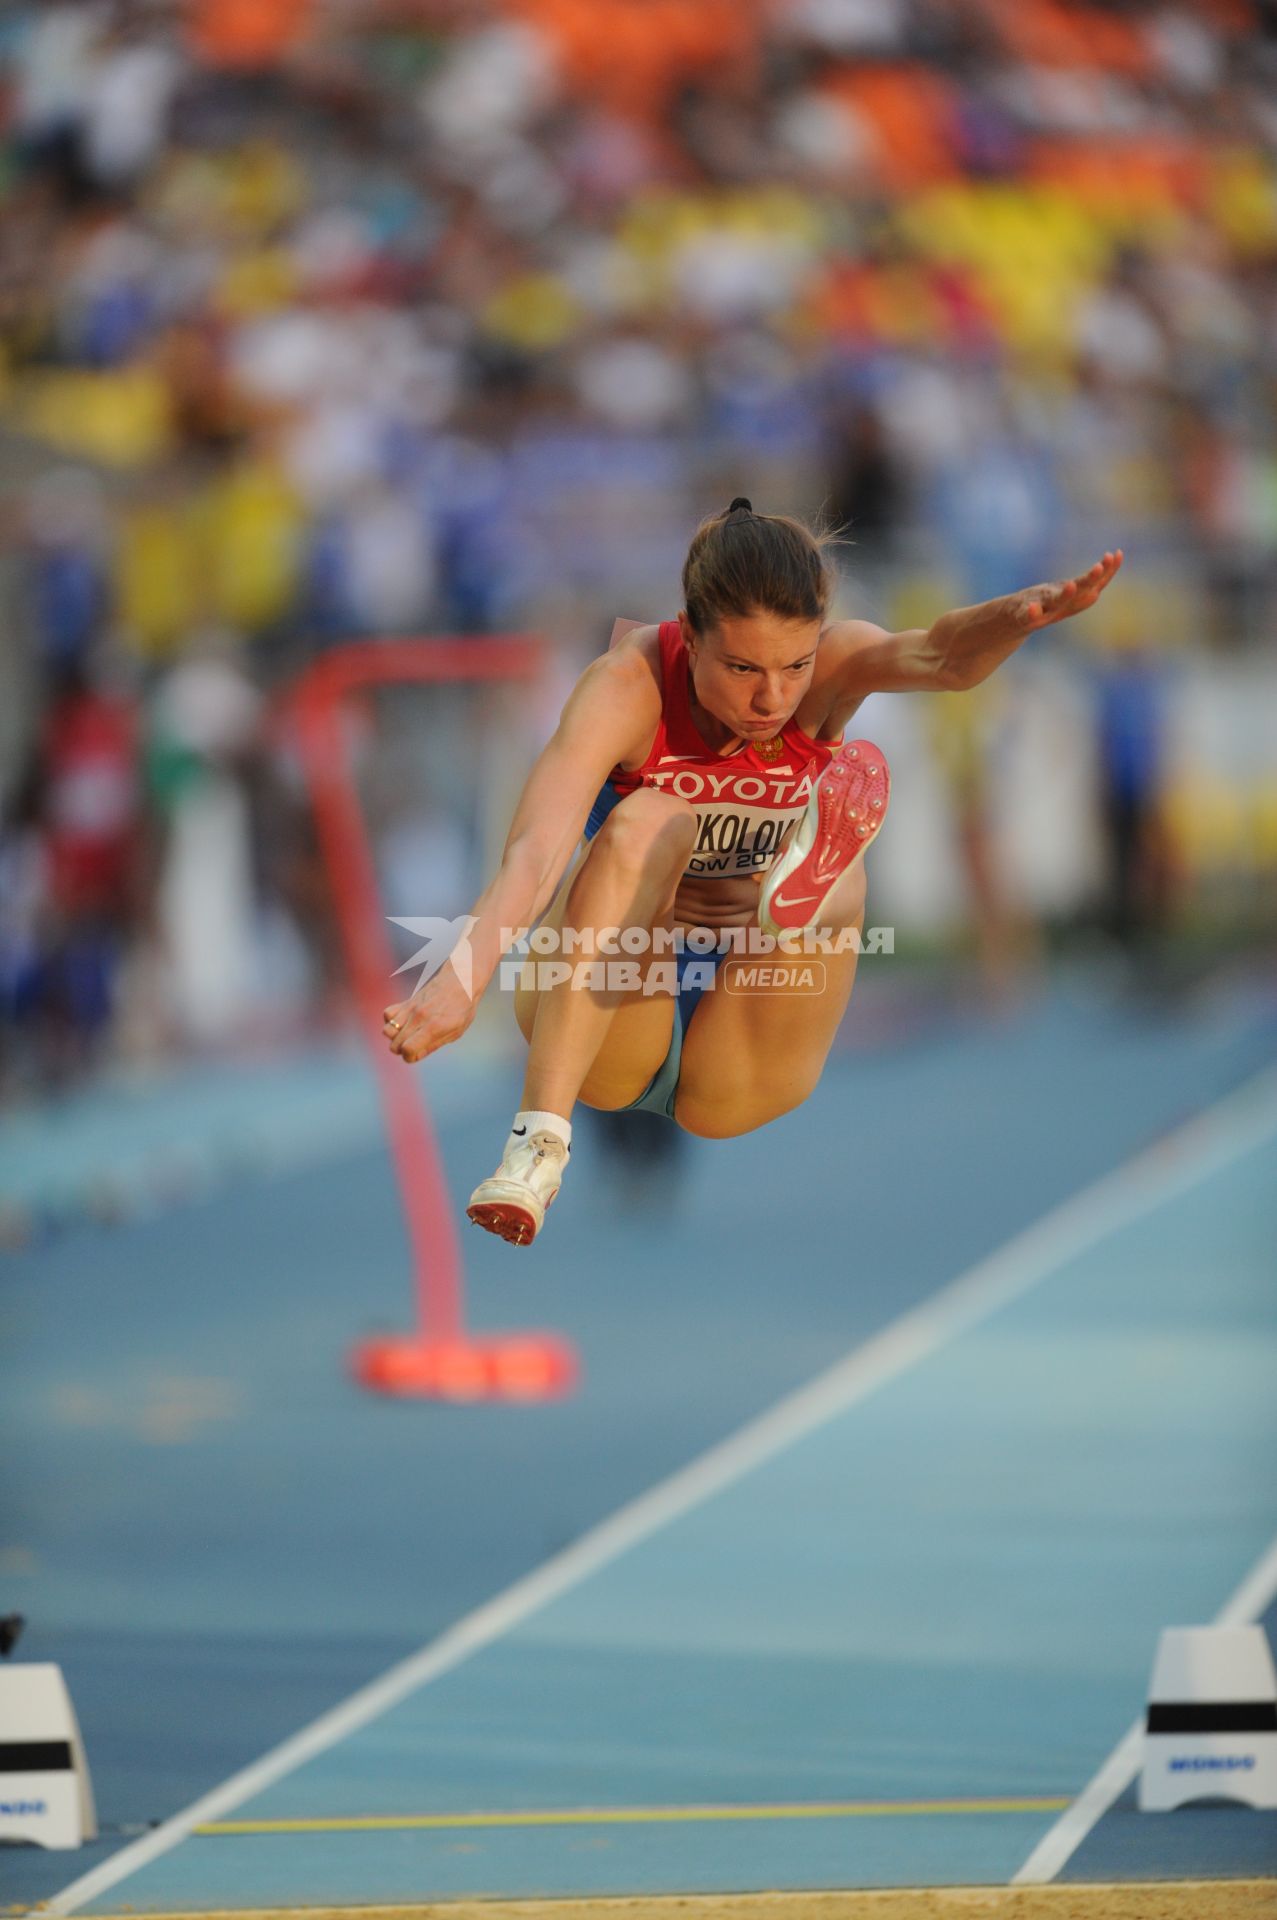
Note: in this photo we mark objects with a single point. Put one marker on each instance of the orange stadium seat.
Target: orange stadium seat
(1049, 33)
(635, 54)
(247, 33)
(910, 111)
(1162, 172)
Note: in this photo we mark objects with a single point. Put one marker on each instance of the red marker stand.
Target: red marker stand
(441, 1360)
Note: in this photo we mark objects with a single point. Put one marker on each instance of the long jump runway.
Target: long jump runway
(884, 1627)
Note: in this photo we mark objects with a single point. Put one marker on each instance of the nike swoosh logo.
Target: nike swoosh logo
(801, 900)
(518, 1129)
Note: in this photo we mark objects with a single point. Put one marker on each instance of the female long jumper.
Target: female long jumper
(699, 795)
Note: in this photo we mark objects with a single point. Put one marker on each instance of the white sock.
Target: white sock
(532, 1120)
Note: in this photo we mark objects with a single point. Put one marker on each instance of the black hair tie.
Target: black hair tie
(740, 505)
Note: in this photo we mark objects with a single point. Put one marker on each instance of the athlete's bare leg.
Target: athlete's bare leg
(598, 1046)
(750, 1056)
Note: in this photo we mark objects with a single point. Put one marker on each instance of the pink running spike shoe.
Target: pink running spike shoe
(847, 807)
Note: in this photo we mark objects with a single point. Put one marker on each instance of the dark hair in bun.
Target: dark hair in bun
(741, 562)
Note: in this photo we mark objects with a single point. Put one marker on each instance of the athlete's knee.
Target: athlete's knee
(648, 827)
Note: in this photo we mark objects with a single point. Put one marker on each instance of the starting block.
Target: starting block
(1212, 1719)
(45, 1792)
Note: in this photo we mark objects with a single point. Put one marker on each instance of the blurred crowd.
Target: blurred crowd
(328, 318)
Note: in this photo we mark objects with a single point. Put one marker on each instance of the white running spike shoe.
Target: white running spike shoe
(847, 807)
(513, 1202)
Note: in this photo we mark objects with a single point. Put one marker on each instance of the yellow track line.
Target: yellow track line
(631, 1816)
(1168, 1900)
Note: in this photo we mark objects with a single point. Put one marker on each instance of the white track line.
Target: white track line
(1061, 1841)
(1211, 1140)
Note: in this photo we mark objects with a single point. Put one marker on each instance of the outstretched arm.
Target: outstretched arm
(611, 714)
(961, 648)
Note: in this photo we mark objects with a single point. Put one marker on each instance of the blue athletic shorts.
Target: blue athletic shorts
(658, 1095)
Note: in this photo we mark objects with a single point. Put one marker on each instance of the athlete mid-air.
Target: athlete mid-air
(697, 780)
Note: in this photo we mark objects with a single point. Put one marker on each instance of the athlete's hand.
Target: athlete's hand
(1061, 599)
(437, 1014)
(968, 644)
